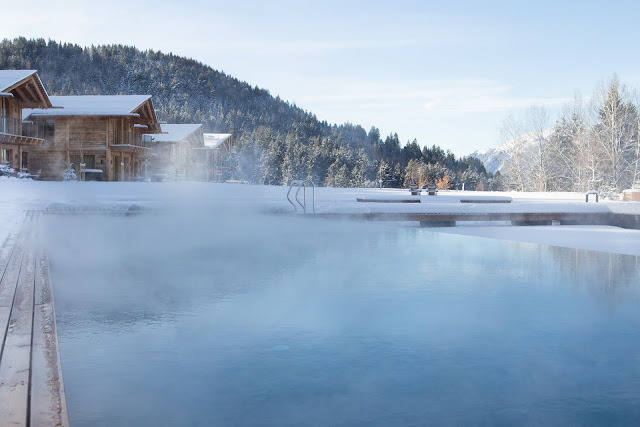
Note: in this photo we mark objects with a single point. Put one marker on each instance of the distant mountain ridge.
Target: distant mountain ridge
(492, 158)
(495, 158)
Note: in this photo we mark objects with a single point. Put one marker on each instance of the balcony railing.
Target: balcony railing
(9, 125)
(129, 138)
(42, 130)
(29, 129)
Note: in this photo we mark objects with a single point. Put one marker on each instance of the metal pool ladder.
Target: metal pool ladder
(302, 184)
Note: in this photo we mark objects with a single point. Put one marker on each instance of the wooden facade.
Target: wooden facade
(215, 156)
(101, 137)
(172, 154)
(107, 138)
(19, 89)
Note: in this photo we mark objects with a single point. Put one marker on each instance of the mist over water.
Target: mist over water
(202, 316)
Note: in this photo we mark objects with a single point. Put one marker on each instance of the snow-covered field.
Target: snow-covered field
(16, 196)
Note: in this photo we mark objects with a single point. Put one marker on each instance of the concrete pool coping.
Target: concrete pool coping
(629, 221)
(31, 384)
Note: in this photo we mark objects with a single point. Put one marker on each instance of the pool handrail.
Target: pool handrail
(302, 184)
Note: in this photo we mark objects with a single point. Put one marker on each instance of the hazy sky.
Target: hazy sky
(445, 73)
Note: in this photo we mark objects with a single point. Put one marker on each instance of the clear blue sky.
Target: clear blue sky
(444, 73)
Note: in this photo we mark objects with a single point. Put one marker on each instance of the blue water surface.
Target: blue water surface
(167, 321)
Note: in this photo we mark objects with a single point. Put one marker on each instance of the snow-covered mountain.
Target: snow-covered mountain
(495, 158)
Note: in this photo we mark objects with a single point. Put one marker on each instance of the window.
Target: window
(75, 162)
(5, 156)
(90, 162)
(46, 130)
(4, 120)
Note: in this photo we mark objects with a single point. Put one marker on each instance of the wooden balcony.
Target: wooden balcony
(11, 133)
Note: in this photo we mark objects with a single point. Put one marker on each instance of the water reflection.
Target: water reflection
(604, 275)
(602, 272)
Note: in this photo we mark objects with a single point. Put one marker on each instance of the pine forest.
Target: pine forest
(274, 141)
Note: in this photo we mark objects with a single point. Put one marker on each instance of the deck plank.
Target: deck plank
(10, 276)
(12, 270)
(48, 402)
(582, 218)
(6, 251)
(5, 312)
(43, 284)
(8, 285)
(16, 353)
(365, 200)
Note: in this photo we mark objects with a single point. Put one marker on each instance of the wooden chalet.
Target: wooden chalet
(172, 154)
(19, 89)
(102, 137)
(215, 156)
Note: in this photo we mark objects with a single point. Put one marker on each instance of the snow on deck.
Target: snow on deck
(31, 384)
(450, 202)
(19, 195)
(604, 238)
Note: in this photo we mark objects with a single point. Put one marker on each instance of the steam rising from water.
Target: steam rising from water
(222, 315)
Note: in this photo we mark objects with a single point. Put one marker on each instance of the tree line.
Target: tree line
(593, 145)
(274, 141)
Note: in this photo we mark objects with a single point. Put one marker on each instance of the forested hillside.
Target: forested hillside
(274, 141)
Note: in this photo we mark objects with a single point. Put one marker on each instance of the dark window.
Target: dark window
(5, 156)
(75, 162)
(90, 162)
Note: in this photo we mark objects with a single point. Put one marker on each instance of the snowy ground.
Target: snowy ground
(16, 196)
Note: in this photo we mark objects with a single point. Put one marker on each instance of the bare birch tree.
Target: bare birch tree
(636, 160)
(513, 158)
(537, 120)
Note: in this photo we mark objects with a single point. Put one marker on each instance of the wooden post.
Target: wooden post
(67, 142)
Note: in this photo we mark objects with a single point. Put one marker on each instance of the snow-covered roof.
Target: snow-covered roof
(91, 105)
(10, 78)
(213, 140)
(26, 86)
(175, 132)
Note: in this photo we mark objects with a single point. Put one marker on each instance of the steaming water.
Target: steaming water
(251, 320)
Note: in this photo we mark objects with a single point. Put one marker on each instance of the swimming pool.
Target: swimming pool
(193, 319)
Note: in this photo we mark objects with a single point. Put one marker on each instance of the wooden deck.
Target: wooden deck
(363, 200)
(516, 218)
(487, 200)
(31, 385)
